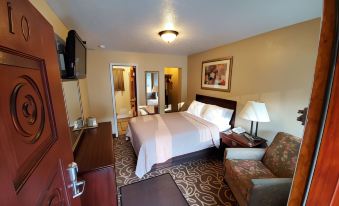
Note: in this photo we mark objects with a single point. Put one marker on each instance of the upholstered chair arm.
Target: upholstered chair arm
(244, 153)
(270, 191)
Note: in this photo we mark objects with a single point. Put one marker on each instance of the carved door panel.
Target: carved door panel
(34, 139)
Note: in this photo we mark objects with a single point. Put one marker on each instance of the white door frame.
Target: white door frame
(115, 119)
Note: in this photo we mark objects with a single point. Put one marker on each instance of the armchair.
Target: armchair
(262, 176)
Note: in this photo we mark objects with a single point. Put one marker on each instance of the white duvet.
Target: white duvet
(157, 138)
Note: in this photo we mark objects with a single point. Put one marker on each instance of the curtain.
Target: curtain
(118, 75)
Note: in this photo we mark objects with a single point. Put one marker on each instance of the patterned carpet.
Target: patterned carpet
(200, 181)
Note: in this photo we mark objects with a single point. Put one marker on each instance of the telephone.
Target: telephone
(249, 137)
(238, 130)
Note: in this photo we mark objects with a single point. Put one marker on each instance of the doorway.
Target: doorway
(124, 93)
(172, 92)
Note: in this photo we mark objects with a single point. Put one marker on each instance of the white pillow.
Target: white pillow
(218, 115)
(196, 108)
(220, 125)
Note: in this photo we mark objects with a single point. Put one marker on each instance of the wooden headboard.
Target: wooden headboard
(225, 103)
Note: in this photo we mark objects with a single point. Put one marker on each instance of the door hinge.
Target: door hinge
(302, 118)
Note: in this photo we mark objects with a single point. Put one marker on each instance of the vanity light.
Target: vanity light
(168, 35)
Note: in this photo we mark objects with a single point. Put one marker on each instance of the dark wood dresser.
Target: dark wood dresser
(95, 158)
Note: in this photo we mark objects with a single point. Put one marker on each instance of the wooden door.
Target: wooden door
(133, 91)
(34, 139)
(321, 123)
(324, 188)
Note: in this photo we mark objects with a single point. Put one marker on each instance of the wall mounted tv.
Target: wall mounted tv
(75, 56)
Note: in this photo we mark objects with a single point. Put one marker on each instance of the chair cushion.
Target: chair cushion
(281, 156)
(242, 171)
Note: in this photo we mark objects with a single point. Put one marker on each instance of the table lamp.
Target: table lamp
(255, 112)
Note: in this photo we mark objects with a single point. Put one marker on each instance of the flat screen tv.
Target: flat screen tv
(75, 56)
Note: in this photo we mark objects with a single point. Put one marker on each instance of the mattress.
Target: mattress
(157, 138)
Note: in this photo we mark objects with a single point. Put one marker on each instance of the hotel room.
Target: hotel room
(169, 102)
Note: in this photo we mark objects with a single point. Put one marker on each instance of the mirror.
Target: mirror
(72, 98)
(152, 89)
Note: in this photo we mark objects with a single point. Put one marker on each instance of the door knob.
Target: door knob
(77, 186)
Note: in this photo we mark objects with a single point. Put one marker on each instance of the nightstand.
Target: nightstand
(239, 140)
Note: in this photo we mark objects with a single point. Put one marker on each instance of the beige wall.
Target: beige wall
(73, 96)
(84, 97)
(51, 17)
(61, 30)
(122, 99)
(99, 83)
(72, 100)
(175, 90)
(276, 68)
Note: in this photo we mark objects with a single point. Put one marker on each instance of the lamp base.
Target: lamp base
(256, 129)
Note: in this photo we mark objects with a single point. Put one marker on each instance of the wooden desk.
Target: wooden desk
(94, 156)
(96, 148)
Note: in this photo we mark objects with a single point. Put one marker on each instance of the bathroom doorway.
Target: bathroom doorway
(124, 91)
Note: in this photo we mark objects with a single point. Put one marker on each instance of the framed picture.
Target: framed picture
(216, 74)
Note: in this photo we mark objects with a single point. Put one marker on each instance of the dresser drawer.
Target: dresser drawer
(236, 140)
(231, 143)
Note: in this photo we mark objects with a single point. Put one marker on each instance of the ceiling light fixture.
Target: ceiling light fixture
(102, 46)
(168, 35)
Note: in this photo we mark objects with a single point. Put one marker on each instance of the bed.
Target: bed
(160, 138)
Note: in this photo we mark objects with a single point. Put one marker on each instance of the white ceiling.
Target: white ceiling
(133, 25)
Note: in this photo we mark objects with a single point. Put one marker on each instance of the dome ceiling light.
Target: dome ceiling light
(168, 35)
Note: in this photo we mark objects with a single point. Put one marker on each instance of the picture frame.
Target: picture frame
(216, 74)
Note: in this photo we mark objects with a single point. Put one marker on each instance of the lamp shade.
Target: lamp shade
(255, 111)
